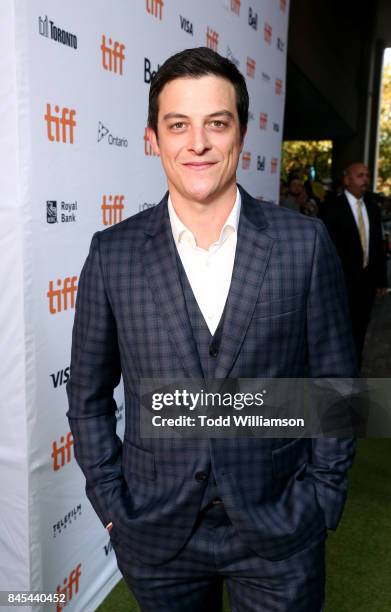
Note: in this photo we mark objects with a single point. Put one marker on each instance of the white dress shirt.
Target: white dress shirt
(209, 271)
(352, 202)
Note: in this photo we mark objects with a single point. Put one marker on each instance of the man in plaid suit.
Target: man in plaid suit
(209, 284)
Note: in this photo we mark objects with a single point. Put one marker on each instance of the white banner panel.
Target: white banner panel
(80, 163)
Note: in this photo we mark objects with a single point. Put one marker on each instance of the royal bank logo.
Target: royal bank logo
(60, 124)
(246, 160)
(212, 39)
(113, 55)
(232, 58)
(278, 87)
(252, 18)
(267, 33)
(273, 165)
(235, 7)
(149, 74)
(104, 134)
(112, 207)
(47, 28)
(65, 213)
(263, 117)
(186, 25)
(261, 162)
(280, 44)
(155, 8)
(250, 67)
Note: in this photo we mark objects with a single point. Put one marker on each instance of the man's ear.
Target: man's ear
(243, 137)
(152, 137)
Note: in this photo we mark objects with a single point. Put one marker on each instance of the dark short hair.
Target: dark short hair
(195, 63)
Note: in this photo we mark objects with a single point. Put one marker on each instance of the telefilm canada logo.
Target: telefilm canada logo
(107, 136)
(61, 212)
(49, 29)
(66, 520)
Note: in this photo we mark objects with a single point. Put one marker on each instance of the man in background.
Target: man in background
(354, 224)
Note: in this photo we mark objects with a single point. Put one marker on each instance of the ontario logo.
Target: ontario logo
(104, 131)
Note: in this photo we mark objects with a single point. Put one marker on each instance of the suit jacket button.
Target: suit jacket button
(200, 476)
(213, 351)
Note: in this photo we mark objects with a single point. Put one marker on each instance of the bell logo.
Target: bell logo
(263, 121)
(267, 33)
(58, 298)
(235, 6)
(148, 150)
(112, 55)
(250, 67)
(283, 5)
(62, 454)
(246, 160)
(155, 8)
(112, 207)
(212, 39)
(274, 164)
(70, 587)
(63, 124)
(278, 87)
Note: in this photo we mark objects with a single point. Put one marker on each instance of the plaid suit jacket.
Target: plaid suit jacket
(286, 316)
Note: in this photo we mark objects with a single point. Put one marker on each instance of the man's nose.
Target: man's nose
(198, 140)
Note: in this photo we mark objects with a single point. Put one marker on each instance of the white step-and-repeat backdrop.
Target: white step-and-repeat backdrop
(74, 87)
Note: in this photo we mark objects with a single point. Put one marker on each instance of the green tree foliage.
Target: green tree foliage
(384, 160)
(298, 154)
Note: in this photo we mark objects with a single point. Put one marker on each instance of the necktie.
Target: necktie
(362, 232)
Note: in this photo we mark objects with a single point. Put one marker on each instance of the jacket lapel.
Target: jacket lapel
(253, 251)
(161, 271)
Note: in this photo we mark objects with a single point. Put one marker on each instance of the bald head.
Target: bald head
(356, 179)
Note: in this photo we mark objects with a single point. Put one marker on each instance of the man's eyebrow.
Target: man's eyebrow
(220, 113)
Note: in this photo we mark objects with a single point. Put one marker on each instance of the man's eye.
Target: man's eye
(178, 125)
(217, 123)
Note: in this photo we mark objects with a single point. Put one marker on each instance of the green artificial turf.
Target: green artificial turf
(358, 554)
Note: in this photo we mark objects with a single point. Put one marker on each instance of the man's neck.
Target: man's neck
(204, 219)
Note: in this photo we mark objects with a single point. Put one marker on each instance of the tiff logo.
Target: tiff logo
(70, 587)
(278, 87)
(235, 6)
(148, 150)
(62, 454)
(112, 207)
(273, 165)
(267, 33)
(58, 298)
(63, 125)
(283, 5)
(252, 19)
(250, 67)
(212, 39)
(114, 54)
(263, 121)
(246, 160)
(155, 8)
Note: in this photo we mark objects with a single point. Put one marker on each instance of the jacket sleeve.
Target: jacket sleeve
(95, 372)
(331, 354)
